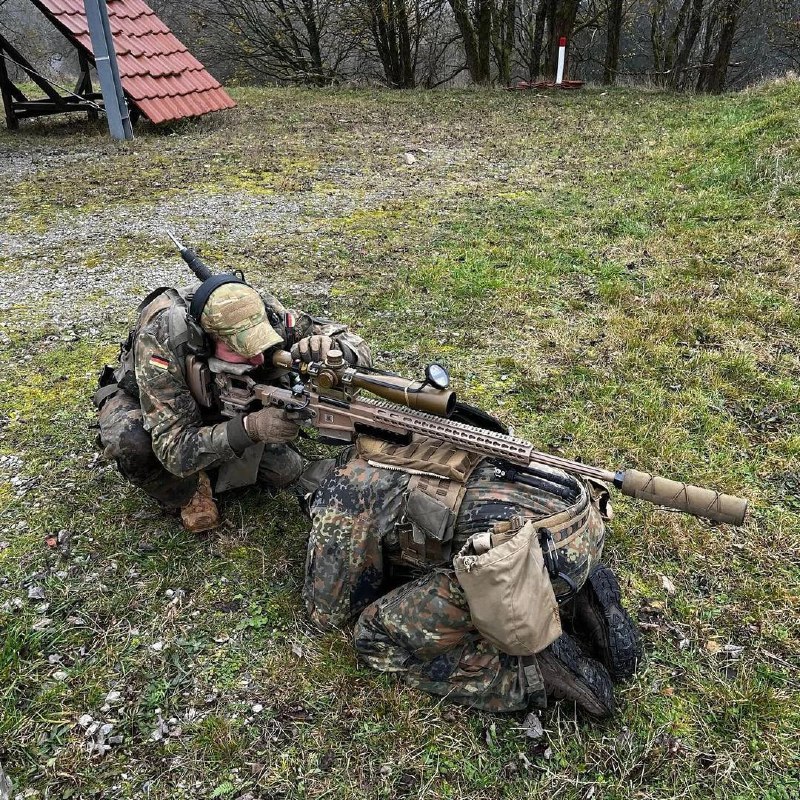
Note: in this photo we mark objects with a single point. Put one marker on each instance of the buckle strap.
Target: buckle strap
(105, 393)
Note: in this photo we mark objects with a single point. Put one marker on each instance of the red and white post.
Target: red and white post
(562, 55)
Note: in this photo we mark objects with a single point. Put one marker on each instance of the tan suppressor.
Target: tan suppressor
(684, 497)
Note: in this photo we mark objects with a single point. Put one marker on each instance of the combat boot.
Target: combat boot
(597, 617)
(569, 675)
(201, 512)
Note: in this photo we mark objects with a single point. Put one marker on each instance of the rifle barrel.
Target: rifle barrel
(693, 500)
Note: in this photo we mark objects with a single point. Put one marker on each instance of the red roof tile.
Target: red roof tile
(159, 75)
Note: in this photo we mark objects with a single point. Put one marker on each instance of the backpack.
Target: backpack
(186, 338)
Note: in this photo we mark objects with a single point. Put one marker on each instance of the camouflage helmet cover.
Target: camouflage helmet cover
(235, 314)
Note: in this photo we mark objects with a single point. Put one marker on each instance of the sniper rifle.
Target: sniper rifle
(329, 396)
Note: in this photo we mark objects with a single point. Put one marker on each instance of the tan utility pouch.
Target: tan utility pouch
(510, 597)
(423, 456)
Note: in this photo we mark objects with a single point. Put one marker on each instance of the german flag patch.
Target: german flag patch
(158, 362)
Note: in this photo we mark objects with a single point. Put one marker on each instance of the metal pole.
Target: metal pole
(562, 52)
(105, 60)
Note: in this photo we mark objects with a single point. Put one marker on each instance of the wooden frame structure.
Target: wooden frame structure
(18, 106)
(160, 78)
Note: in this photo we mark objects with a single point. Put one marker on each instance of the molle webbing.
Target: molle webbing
(422, 455)
(418, 548)
(425, 459)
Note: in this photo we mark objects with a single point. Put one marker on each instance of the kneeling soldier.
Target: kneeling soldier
(389, 514)
(158, 414)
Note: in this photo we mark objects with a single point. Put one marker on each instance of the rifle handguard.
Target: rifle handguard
(683, 497)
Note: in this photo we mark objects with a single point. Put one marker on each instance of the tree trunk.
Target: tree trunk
(612, 41)
(504, 23)
(671, 45)
(563, 22)
(705, 58)
(715, 81)
(310, 23)
(657, 39)
(392, 38)
(483, 17)
(677, 77)
(469, 38)
(549, 67)
(538, 39)
(404, 43)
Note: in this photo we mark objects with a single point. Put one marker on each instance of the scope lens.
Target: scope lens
(437, 376)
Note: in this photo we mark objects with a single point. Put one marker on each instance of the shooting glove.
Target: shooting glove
(313, 348)
(271, 425)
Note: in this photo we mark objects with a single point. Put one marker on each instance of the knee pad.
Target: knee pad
(280, 466)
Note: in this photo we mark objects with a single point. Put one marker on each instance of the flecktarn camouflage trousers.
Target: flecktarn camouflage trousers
(422, 630)
(123, 439)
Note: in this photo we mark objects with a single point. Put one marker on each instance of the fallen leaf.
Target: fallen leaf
(533, 726)
(668, 584)
(490, 734)
(713, 647)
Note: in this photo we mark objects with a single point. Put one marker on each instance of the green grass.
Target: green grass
(615, 273)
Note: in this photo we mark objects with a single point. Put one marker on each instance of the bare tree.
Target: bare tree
(613, 37)
(784, 35)
(288, 40)
(474, 20)
(677, 66)
(503, 34)
(561, 17)
(393, 33)
(530, 35)
(713, 72)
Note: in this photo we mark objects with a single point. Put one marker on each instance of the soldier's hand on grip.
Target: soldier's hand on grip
(271, 425)
(313, 348)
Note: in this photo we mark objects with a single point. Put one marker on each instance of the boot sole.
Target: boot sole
(568, 675)
(623, 650)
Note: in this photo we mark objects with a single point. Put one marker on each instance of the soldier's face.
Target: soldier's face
(224, 353)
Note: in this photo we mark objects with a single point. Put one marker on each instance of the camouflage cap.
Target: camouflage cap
(235, 314)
